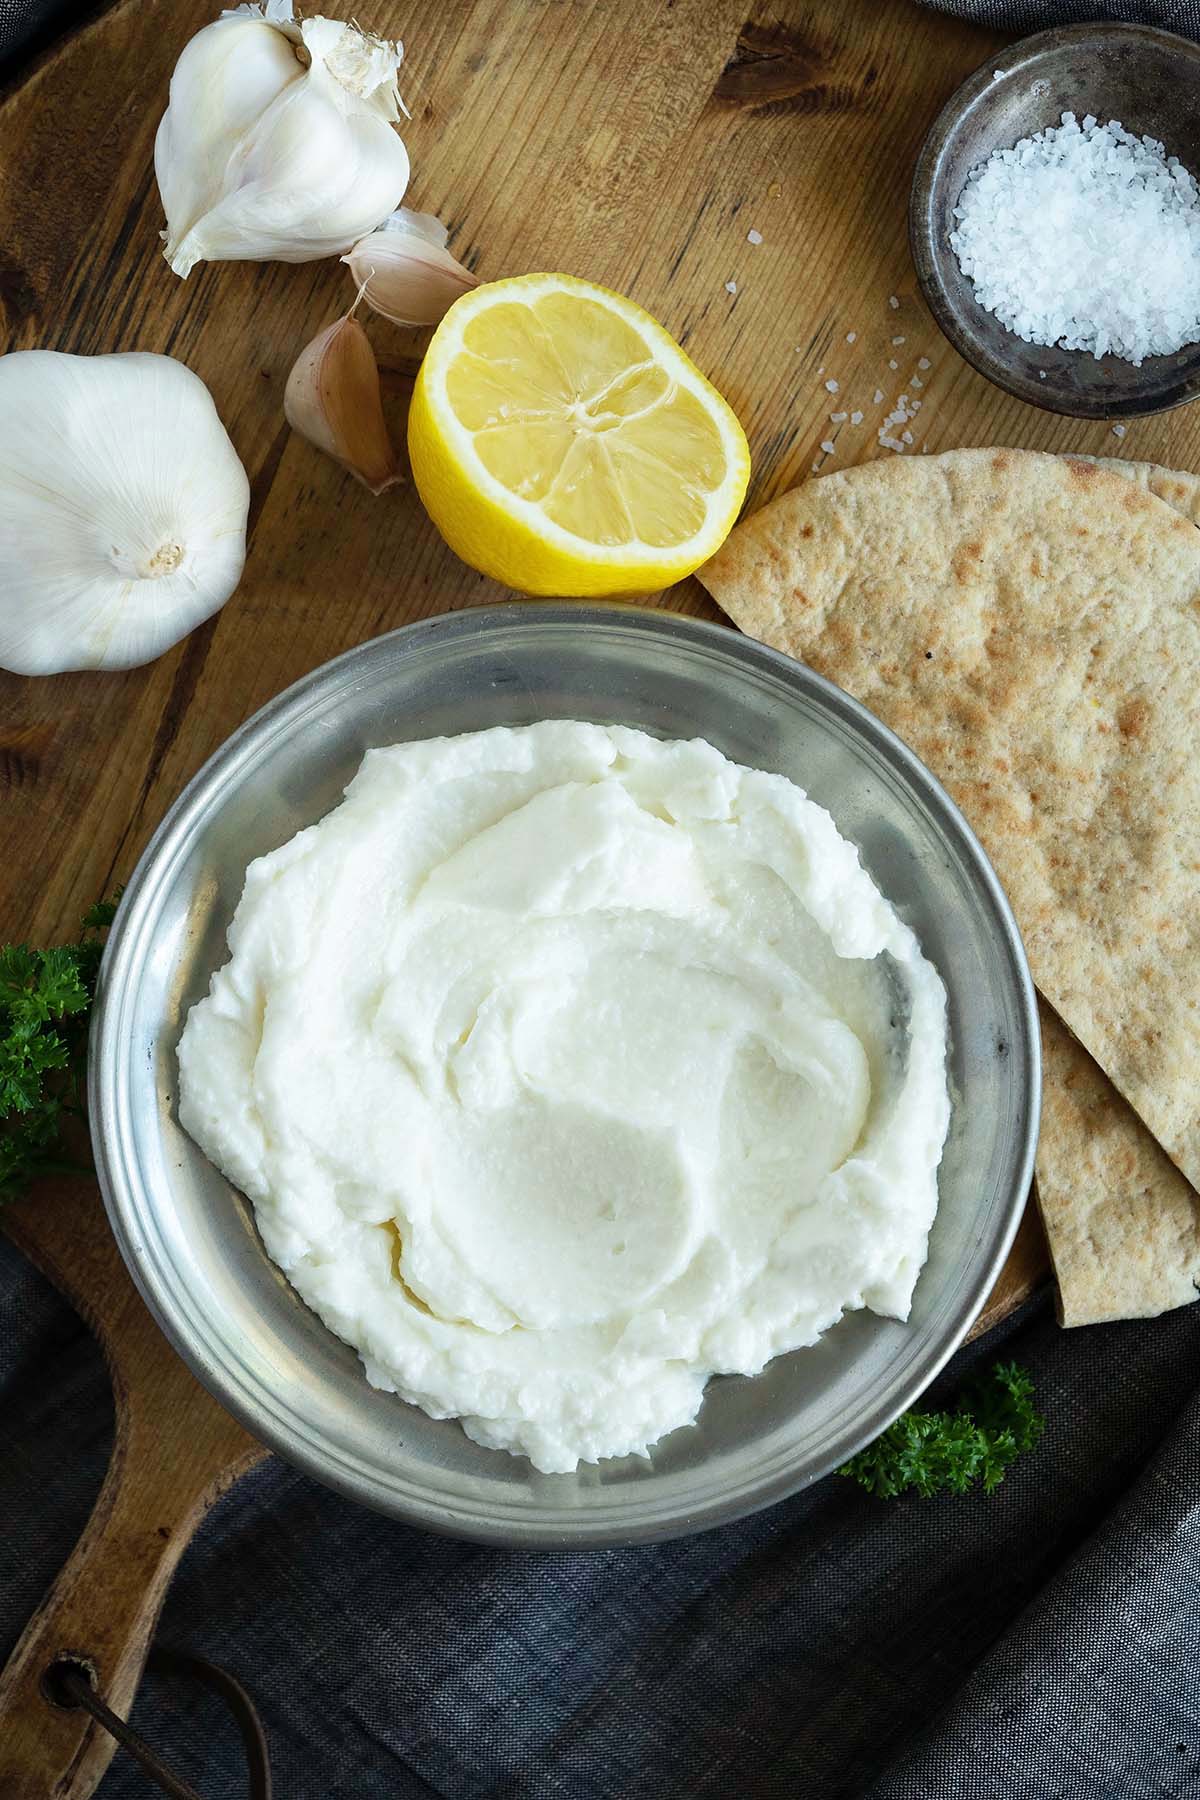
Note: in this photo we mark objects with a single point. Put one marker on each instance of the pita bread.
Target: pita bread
(1123, 1239)
(1123, 1224)
(1178, 489)
(1030, 624)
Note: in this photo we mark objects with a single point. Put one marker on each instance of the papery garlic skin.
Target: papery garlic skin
(405, 272)
(123, 509)
(333, 399)
(278, 142)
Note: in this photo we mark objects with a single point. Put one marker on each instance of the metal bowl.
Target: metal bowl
(1150, 81)
(190, 1239)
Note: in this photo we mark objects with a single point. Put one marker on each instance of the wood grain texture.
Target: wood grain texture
(175, 1451)
(632, 143)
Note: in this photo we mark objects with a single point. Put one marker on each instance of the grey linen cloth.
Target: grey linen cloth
(1040, 1644)
(1023, 16)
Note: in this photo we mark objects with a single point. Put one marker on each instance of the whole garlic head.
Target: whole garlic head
(278, 142)
(122, 509)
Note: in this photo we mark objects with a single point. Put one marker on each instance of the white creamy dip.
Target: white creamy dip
(565, 1068)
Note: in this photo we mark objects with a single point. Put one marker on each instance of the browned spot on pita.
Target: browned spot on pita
(966, 563)
(1132, 717)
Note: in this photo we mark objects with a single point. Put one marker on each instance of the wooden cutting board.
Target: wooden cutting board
(634, 143)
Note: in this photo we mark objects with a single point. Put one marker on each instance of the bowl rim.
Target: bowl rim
(923, 234)
(545, 1525)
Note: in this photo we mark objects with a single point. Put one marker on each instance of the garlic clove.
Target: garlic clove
(278, 139)
(122, 509)
(405, 272)
(227, 76)
(333, 399)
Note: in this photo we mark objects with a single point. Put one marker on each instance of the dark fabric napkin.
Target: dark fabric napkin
(1040, 1644)
(1182, 16)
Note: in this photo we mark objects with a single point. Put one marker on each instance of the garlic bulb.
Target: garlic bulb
(405, 271)
(122, 509)
(278, 140)
(332, 398)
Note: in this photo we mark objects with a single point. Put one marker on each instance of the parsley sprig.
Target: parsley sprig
(45, 997)
(948, 1452)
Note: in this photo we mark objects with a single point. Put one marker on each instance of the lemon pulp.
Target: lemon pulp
(564, 443)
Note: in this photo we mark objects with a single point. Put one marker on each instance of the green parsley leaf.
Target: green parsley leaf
(45, 997)
(948, 1452)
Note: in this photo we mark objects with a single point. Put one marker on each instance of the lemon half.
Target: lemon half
(564, 444)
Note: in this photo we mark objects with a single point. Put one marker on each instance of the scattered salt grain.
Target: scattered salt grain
(1087, 237)
(1119, 431)
(821, 370)
(838, 418)
(856, 418)
(878, 396)
(892, 363)
(831, 385)
(1041, 374)
(903, 413)
(816, 468)
(893, 303)
(754, 237)
(997, 74)
(917, 382)
(827, 446)
(899, 340)
(731, 287)
(923, 362)
(850, 336)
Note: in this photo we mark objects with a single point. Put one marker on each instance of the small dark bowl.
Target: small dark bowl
(1150, 81)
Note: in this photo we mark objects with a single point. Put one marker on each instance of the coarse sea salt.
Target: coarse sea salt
(1086, 237)
(904, 411)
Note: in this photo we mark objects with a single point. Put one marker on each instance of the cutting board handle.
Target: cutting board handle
(175, 1451)
(103, 1609)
